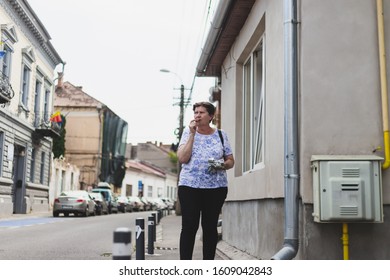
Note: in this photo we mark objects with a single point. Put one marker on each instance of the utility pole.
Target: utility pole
(181, 116)
(181, 128)
(182, 104)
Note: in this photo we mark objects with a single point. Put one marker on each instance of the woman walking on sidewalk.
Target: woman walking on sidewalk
(205, 154)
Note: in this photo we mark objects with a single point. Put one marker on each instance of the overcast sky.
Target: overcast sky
(115, 50)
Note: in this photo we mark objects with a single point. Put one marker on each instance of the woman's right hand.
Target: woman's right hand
(193, 126)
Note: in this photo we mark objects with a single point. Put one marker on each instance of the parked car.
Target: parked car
(136, 203)
(169, 202)
(109, 197)
(160, 204)
(114, 204)
(74, 202)
(148, 205)
(124, 204)
(101, 204)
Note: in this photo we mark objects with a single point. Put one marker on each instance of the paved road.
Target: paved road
(17, 223)
(63, 238)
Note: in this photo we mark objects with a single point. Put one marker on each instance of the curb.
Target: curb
(228, 252)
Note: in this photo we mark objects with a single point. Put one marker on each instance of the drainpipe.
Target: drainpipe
(291, 161)
(383, 77)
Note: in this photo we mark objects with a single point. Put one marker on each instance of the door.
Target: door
(19, 178)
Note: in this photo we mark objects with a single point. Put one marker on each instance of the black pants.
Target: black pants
(196, 202)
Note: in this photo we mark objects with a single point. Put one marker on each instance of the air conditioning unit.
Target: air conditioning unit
(347, 188)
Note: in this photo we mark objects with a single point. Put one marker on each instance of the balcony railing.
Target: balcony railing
(6, 91)
(45, 127)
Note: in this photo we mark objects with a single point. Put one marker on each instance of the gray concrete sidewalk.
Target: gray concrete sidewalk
(166, 246)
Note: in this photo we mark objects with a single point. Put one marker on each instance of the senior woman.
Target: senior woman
(205, 154)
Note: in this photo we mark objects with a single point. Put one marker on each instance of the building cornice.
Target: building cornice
(23, 14)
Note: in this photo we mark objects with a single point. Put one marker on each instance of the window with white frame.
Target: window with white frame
(46, 102)
(71, 180)
(8, 39)
(28, 58)
(129, 190)
(6, 61)
(150, 191)
(37, 101)
(253, 108)
(25, 84)
(63, 180)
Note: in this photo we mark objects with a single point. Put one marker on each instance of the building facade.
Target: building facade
(95, 138)
(161, 158)
(160, 155)
(64, 177)
(145, 179)
(305, 80)
(28, 61)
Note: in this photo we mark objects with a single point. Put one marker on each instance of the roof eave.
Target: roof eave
(230, 18)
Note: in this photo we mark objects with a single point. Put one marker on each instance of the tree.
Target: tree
(59, 142)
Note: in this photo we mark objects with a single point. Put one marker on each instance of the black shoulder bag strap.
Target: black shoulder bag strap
(221, 137)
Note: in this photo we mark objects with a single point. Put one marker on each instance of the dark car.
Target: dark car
(110, 199)
(74, 202)
(101, 204)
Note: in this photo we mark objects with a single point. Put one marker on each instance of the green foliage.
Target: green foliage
(59, 143)
(174, 160)
(173, 157)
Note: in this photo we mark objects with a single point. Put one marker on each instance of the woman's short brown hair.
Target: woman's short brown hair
(209, 107)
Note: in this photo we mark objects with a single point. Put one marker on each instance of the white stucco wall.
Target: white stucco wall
(267, 181)
(339, 114)
(133, 176)
(339, 90)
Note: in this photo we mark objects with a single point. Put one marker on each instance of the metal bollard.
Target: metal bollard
(150, 235)
(122, 244)
(140, 239)
(154, 228)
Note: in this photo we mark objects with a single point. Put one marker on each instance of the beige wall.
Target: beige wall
(83, 131)
(83, 142)
(339, 95)
(339, 114)
(268, 180)
(340, 85)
